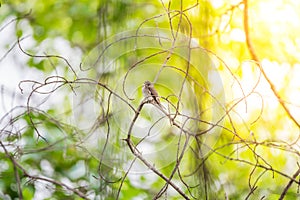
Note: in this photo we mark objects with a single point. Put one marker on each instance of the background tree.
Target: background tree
(74, 123)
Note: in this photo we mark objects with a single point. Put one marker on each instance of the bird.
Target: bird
(150, 93)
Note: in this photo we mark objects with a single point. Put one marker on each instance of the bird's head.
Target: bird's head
(147, 83)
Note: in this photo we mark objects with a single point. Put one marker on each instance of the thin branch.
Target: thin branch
(257, 60)
(15, 166)
(137, 154)
(289, 184)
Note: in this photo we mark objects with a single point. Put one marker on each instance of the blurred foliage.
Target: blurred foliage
(72, 131)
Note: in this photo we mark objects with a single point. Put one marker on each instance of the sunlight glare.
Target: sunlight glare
(237, 35)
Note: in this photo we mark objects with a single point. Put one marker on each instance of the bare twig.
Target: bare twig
(289, 184)
(137, 154)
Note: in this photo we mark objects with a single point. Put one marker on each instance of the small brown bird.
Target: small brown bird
(150, 93)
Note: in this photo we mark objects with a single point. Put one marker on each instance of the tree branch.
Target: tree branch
(254, 56)
(289, 184)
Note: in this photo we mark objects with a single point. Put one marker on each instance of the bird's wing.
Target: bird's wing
(153, 92)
